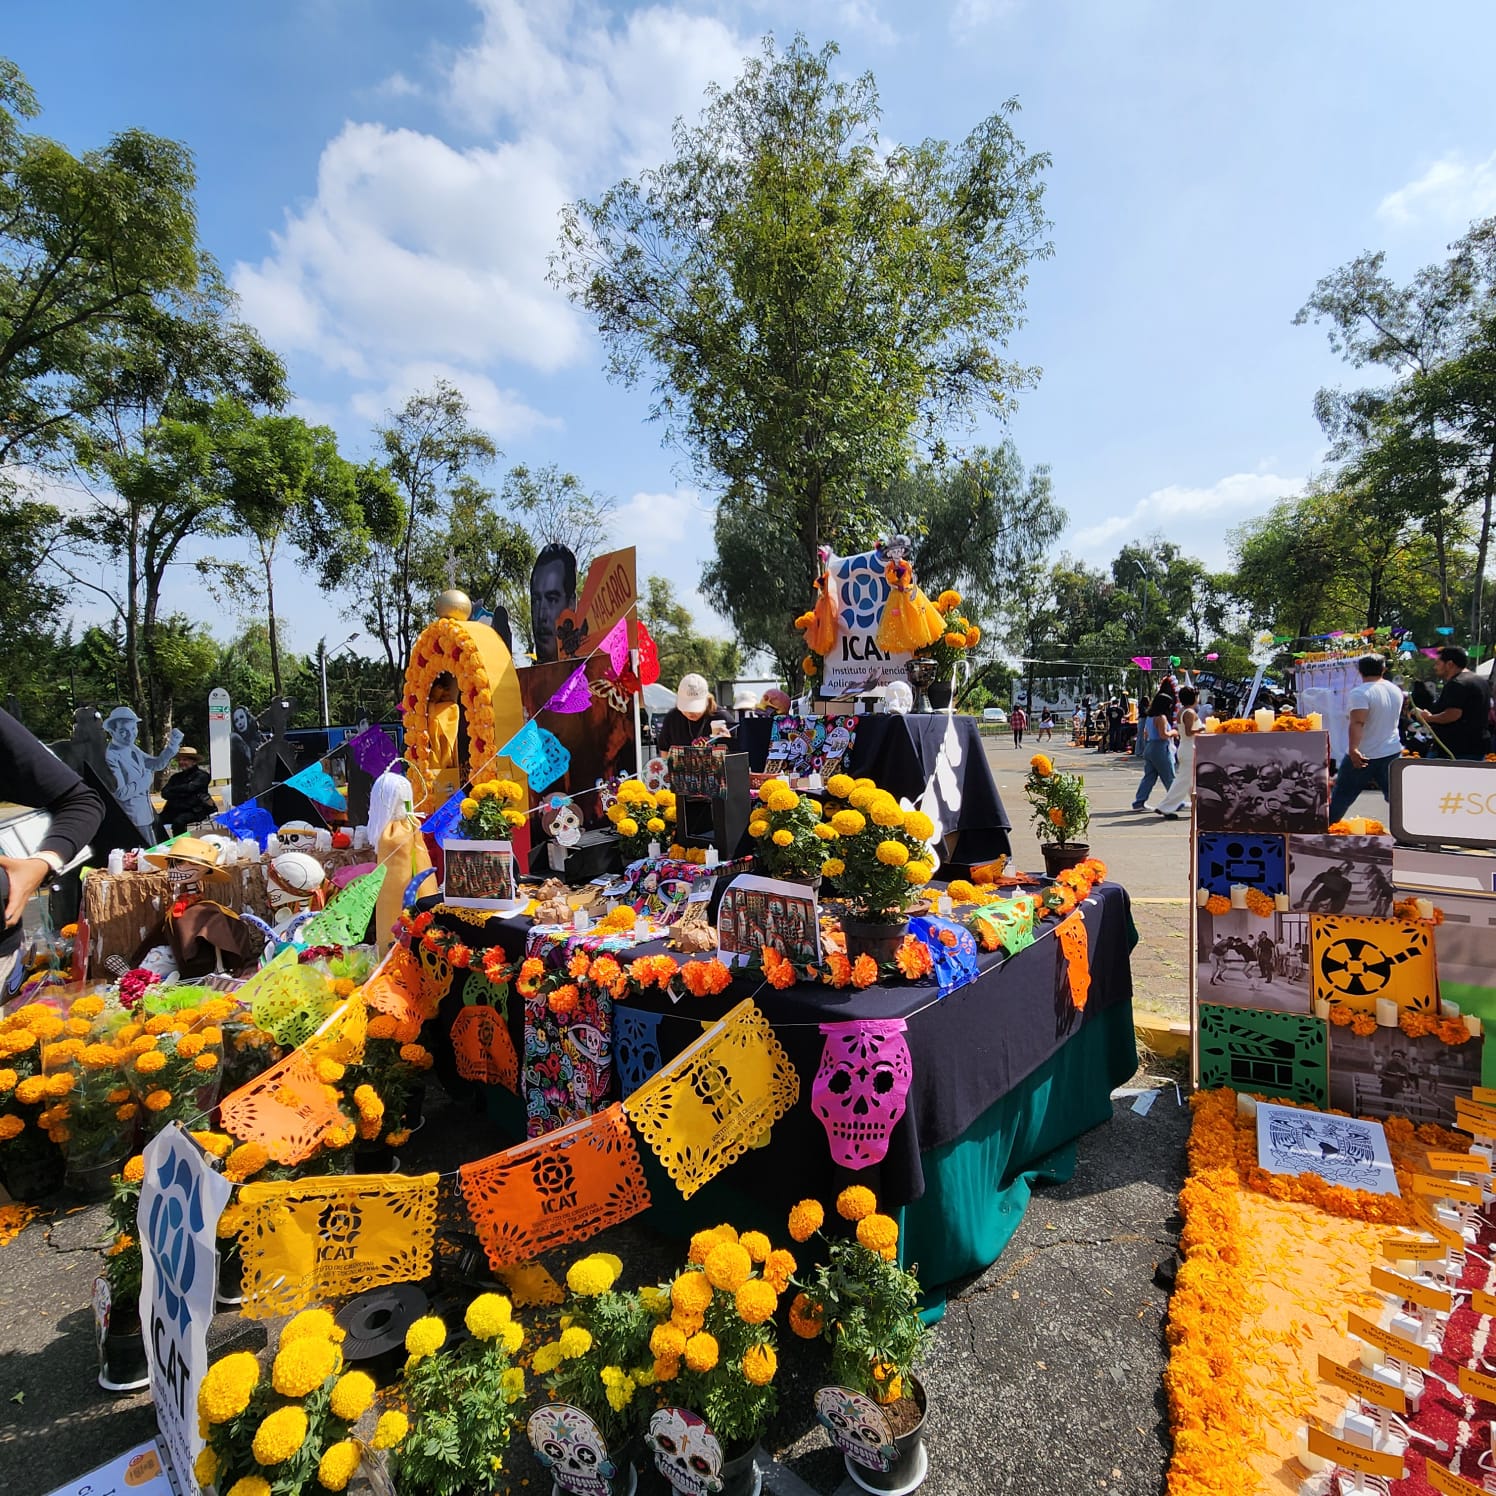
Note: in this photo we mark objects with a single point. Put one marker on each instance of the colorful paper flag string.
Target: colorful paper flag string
(374, 750)
(574, 696)
(649, 657)
(248, 819)
(317, 784)
(616, 642)
(539, 755)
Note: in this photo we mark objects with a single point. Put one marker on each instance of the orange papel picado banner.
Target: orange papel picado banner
(716, 1098)
(286, 1109)
(1071, 933)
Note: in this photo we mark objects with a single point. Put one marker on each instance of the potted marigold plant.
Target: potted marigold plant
(865, 1306)
(960, 637)
(715, 1358)
(640, 816)
(878, 858)
(462, 1402)
(116, 1301)
(479, 864)
(31, 1158)
(784, 824)
(1061, 812)
(596, 1371)
(293, 1429)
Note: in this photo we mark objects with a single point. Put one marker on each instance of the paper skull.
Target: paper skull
(561, 820)
(857, 1427)
(292, 881)
(860, 1087)
(570, 1445)
(636, 1046)
(298, 836)
(686, 1451)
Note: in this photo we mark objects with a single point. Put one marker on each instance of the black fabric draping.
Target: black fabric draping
(968, 1049)
(899, 754)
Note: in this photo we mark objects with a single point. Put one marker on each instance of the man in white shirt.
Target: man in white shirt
(1376, 708)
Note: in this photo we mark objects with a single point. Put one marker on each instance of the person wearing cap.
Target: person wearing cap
(690, 720)
(186, 793)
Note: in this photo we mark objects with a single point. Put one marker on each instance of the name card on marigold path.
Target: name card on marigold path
(1445, 1235)
(1476, 1384)
(1446, 1189)
(1384, 1340)
(1483, 1302)
(1460, 1163)
(1358, 1384)
(1422, 1294)
(1471, 1117)
(1415, 1247)
(1447, 1483)
(1354, 1456)
(1485, 1095)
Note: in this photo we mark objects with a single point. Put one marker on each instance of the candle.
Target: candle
(654, 849)
(581, 921)
(1202, 896)
(641, 928)
(1425, 908)
(1238, 895)
(1448, 1009)
(712, 858)
(1370, 1356)
(943, 906)
(1246, 1107)
(1322, 1008)
(360, 837)
(1280, 902)
(1313, 1463)
(1472, 1025)
(1386, 1013)
(1212, 724)
(1264, 719)
(1316, 722)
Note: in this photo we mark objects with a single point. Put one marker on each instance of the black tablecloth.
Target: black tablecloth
(968, 1049)
(899, 754)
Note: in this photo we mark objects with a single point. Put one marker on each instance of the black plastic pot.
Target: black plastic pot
(880, 941)
(122, 1361)
(938, 694)
(1060, 855)
(31, 1170)
(230, 1292)
(910, 1467)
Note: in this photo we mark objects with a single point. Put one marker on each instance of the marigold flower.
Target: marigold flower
(756, 1244)
(249, 1485)
(205, 1466)
(759, 1364)
(425, 1337)
(134, 1169)
(205, 1062)
(564, 999)
(756, 1301)
(806, 1219)
(833, 867)
(848, 822)
(301, 1367)
(150, 1062)
(390, 1430)
(864, 971)
(31, 1090)
(728, 1265)
(417, 1056)
(280, 1435)
(246, 1160)
(918, 873)
(351, 1395)
(807, 1319)
(702, 1351)
(575, 1341)
(878, 1233)
(590, 1276)
(779, 971)
(158, 1101)
(691, 1293)
(339, 1461)
(892, 853)
(227, 1385)
(856, 1202)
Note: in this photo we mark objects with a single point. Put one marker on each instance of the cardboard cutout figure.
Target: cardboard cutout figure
(132, 769)
(553, 591)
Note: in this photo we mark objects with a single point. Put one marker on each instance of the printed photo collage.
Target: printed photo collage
(1307, 984)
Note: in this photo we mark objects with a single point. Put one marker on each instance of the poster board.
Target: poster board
(1439, 803)
(857, 664)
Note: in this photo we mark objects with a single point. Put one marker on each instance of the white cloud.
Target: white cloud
(1196, 519)
(672, 534)
(502, 413)
(1451, 193)
(398, 86)
(972, 15)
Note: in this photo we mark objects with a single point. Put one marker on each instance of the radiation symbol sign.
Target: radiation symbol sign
(1357, 960)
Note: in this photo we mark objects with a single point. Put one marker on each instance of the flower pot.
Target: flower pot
(690, 1457)
(938, 694)
(876, 1457)
(92, 1179)
(570, 1445)
(122, 1360)
(230, 1291)
(880, 940)
(31, 1168)
(1060, 855)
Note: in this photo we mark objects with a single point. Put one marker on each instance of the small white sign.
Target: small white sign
(1441, 802)
(1341, 1150)
(140, 1472)
(220, 729)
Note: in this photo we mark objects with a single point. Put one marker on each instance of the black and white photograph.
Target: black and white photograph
(1262, 781)
(1387, 1074)
(1245, 961)
(1341, 875)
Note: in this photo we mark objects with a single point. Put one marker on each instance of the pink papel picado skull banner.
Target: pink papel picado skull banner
(861, 1086)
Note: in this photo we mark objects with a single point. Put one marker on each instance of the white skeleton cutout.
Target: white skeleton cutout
(686, 1452)
(298, 836)
(570, 1445)
(857, 1427)
(291, 883)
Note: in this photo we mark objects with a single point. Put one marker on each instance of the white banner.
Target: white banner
(180, 1202)
(856, 663)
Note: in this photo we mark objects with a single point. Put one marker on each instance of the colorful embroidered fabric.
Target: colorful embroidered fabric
(568, 1060)
(345, 921)
(306, 1240)
(1071, 933)
(636, 1046)
(285, 1108)
(715, 1098)
(482, 1048)
(952, 947)
(289, 1001)
(557, 944)
(562, 1188)
(395, 989)
(861, 1086)
(660, 886)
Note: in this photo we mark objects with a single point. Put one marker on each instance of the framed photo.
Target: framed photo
(756, 912)
(1245, 961)
(1388, 1074)
(1262, 782)
(1341, 875)
(480, 875)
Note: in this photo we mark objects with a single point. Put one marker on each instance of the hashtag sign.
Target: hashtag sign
(1449, 804)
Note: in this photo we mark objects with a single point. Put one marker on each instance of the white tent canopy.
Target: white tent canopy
(658, 698)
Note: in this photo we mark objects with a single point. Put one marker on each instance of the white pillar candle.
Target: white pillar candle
(1202, 896)
(1212, 724)
(581, 921)
(1472, 1025)
(1246, 1107)
(1238, 895)
(1280, 902)
(1448, 1009)
(712, 858)
(1322, 1008)
(1264, 719)
(943, 906)
(360, 837)
(1313, 1463)
(1316, 722)
(116, 862)
(654, 849)
(1386, 1013)
(641, 928)
(1425, 908)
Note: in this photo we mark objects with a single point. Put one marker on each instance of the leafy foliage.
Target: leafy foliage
(682, 650)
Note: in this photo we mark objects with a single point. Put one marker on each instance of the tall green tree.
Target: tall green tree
(682, 650)
(558, 509)
(806, 300)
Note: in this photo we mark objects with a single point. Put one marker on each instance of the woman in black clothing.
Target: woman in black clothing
(690, 720)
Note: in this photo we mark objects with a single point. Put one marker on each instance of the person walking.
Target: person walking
(1461, 715)
(1046, 726)
(1190, 728)
(1158, 745)
(1375, 745)
(1018, 721)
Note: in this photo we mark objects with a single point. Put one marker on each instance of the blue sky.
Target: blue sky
(381, 181)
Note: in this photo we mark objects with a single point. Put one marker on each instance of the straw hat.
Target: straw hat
(185, 849)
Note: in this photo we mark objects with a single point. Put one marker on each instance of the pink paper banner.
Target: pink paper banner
(574, 696)
(1143, 662)
(616, 642)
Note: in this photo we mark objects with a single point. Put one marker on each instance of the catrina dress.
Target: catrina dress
(820, 635)
(910, 620)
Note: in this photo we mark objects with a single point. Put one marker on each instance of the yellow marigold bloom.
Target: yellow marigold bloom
(759, 1364)
(160, 1024)
(425, 1337)
(892, 853)
(887, 813)
(8, 1079)
(216, 1143)
(189, 1045)
(329, 1071)
(862, 795)
(79, 1028)
(591, 1276)
(691, 1293)
(87, 1007)
(839, 785)
(468, 809)
(351, 1395)
(848, 822)
(855, 1202)
(390, 1430)
(31, 1090)
(756, 1301)
(757, 828)
(782, 838)
(973, 637)
(301, 1367)
(666, 1342)
(654, 825)
(150, 1062)
(487, 1315)
(158, 1101)
(10, 1126)
(249, 1485)
(806, 1318)
(947, 600)
(245, 1160)
(702, 1242)
(513, 1336)
(919, 825)
(205, 1466)
(825, 830)
(878, 1233)
(513, 1383)
(628, 826)
(805, 1219)
(728, 1266)
(956, 641)
(547, 1358)
(227, 1386)
(782, 798)
(128, 1112)
(1042, 765)
(918, 873)
(756, 1244)
(60, 1085)
(701, 1351)
(339, 1461)
(205, 1062)
(575, 1341)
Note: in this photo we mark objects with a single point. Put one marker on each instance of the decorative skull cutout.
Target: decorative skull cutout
(860, 1088)
(607, 795)
(570, 1445)
(857, 1427)
(298, 836)
(686, 1451)
(656, 774)
(636, 1047)
(437, 971)
(561, 820)
(291, 883)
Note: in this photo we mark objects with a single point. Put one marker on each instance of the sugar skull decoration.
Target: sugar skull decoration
(561, 820)
(656, 774)
(686, 1451)
(292, 882)
(861, 1086)
(636, 1046)
(857, 1427)
(297, 836)
(570, 1445)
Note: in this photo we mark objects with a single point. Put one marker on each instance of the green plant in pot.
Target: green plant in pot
(462, 1402)
(122, 1359)
(783, 826)
(596, 1371)
(1061, 813)
(879, 859)
(866, 1308)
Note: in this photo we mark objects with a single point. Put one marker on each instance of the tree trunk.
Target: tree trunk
(1482, 550)
(267, 559)
(133, 672)
(1441, 561)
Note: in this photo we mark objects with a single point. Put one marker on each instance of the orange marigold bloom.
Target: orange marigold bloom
(806, 1317)
(913, 959)
(779, 971)
(530, 974)
(864, 971)
(564, 999)
(495, 967)
(460, 955)
(578, 967)
(609, 975)
(838, 969)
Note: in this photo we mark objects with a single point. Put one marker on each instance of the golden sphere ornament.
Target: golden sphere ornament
(454, 603)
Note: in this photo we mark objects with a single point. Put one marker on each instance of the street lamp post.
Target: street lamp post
(1147, 576)
(322, 664)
